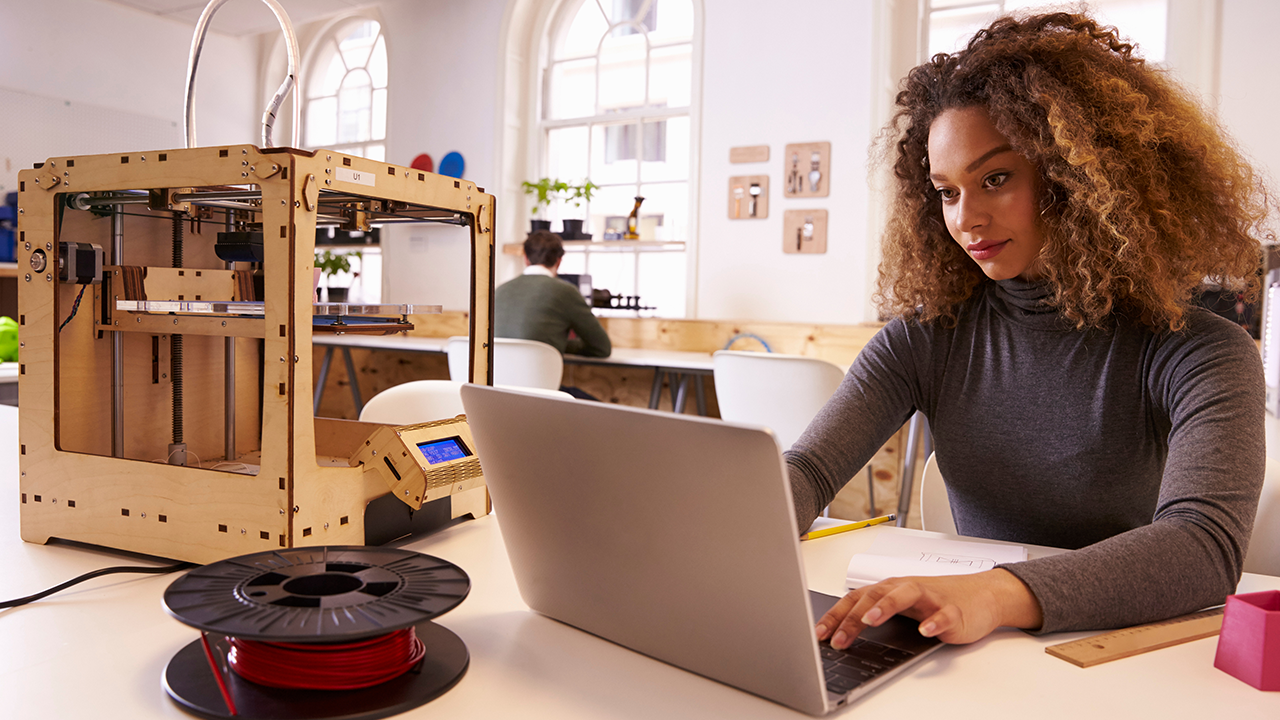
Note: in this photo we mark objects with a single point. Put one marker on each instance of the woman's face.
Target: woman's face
(989, 193)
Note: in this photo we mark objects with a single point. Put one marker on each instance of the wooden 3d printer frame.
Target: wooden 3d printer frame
(95, 411)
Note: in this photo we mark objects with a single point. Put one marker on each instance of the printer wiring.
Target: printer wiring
(160, 570)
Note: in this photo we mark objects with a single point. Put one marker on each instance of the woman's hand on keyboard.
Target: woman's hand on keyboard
(956, 609)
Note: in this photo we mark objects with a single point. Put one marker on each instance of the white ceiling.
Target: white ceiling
(243, 17)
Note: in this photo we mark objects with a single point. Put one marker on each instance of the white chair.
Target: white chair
(414, 402)
(782, 392)
(516, 363)
(1264, 547)
(935, 505)
(426, 400)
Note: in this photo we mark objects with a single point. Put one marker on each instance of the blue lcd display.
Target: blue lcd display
(438, 451)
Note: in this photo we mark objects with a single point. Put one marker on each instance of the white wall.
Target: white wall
(1249, 87)
(113, 68)
(442, 79)
(778, 73)
(443, 75)
(427, 265)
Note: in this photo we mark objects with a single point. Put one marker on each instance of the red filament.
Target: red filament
(217, 674)
(346, 666)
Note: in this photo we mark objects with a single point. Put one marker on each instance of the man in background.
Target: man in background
(539, 306)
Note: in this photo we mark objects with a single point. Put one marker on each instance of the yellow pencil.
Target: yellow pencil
(846, 528)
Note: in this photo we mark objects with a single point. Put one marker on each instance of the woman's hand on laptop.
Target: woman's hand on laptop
(955, 609)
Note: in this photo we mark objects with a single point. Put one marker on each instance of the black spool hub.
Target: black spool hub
(321, 595)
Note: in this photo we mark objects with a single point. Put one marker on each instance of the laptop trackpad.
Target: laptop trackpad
(900, 632)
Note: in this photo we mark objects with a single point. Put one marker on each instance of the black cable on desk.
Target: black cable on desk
(162, 570)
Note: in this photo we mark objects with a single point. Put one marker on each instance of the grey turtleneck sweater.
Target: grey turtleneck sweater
(1142, 451)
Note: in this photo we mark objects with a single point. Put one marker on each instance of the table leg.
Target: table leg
(701, 396)
(871, 489)
(351, 378)
(655, 395)
(682, 394)
(917, 431)
(324, 375)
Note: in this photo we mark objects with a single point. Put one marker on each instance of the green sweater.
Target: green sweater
(542, 308)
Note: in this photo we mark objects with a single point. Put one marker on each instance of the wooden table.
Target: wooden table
(683, 368)
(680, 366)
(397, 343)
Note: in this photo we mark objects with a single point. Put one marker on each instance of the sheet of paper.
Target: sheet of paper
(895, 555)
(822, 523)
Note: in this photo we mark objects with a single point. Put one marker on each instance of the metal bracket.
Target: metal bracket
(264, 169)
(310, 193)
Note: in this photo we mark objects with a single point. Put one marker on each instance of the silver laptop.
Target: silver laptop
(673, 536)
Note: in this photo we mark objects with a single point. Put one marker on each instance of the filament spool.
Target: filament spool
(324, 596)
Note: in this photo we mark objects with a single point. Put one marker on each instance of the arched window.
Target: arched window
(346, 93)
(615, 104)
(948, 24)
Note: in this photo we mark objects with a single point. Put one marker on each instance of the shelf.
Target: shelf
(258, 308)
(605, 246)
(336, 318)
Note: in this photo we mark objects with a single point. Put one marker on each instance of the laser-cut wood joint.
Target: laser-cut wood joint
(172, 350)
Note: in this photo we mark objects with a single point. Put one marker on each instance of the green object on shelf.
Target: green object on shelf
(331, 263)
(8, 339)
(548, 190)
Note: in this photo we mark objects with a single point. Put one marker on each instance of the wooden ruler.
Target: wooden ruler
(1138, 639)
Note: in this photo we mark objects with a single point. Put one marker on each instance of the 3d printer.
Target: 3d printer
(166, 315)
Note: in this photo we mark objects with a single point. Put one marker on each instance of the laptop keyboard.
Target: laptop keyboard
(862, 661)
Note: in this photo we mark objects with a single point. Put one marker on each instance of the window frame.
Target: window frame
(322, 48)
(556, 16)
(1193, 39)
(927, 10)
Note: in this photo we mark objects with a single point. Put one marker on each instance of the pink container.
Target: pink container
(1249, 647)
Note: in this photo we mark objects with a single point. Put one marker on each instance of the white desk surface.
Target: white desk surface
(643, 357)
(98, 650)
(637, 357)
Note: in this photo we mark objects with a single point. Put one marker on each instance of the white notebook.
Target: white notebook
(896, 555)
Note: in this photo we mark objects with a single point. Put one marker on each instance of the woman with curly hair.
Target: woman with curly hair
(1056, 204)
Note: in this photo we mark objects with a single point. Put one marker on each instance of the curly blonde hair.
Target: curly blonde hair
(1143, 195)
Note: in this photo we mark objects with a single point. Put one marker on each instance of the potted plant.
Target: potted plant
(577, 194)
(330, 264)
(547, 191)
